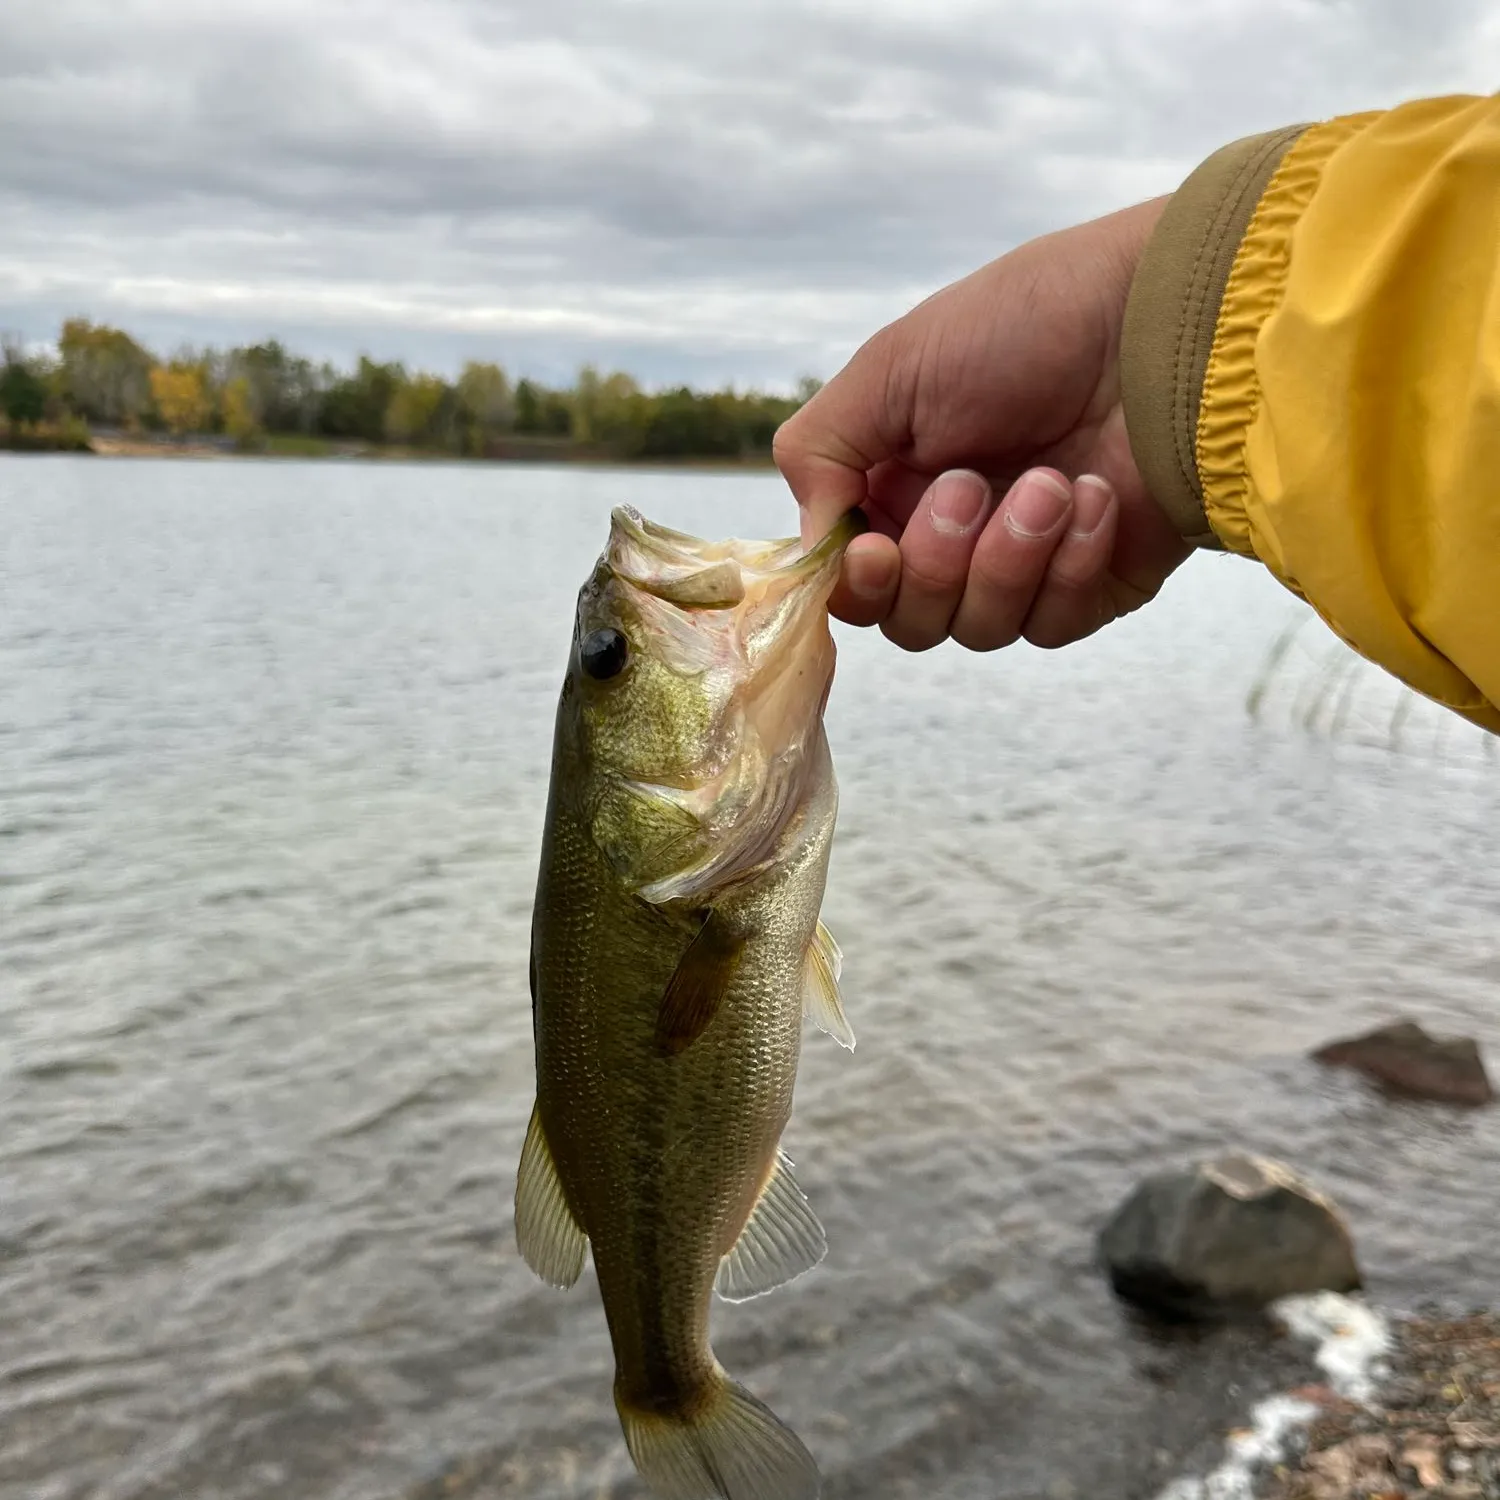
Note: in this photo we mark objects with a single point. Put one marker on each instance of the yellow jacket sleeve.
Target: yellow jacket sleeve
(1311, 370)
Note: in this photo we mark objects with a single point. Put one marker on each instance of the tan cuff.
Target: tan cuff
(1172, 314)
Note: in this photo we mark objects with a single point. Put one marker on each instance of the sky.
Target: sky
(692, 192)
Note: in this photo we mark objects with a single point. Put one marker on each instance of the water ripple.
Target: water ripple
(274, 755)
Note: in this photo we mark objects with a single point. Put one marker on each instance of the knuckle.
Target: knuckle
(928, 576)
(1009, 573)
(1073, 574)
(786, 446)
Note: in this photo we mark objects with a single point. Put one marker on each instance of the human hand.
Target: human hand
(1005, 381)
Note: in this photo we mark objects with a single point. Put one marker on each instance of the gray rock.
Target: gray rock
(1225, 1236)
(1404, 1058)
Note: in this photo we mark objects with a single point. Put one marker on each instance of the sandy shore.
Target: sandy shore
(124, 447)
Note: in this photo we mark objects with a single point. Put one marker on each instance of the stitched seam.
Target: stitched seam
(1179, 385)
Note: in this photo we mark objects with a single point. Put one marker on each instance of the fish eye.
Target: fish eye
(602, 654)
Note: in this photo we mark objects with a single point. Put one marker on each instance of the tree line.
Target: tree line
(261, 396)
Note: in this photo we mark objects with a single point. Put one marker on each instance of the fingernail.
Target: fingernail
(958, 501)
(1036, 504)
(1090, 502)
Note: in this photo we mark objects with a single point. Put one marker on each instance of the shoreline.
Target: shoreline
(1432, 1428)
(1403, 1405)
(538, 454)
(204, 452)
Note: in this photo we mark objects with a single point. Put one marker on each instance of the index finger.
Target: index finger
(826, 450)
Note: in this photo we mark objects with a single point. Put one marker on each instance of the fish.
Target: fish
(676, 951)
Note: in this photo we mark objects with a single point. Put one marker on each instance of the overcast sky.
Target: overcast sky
(691, 190)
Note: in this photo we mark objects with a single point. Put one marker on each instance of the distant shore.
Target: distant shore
(99, 390)
(520, 450)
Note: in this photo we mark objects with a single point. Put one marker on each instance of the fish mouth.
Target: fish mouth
(696, 574)
(749, 608)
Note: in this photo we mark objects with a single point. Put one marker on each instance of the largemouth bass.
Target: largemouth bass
(675, 949)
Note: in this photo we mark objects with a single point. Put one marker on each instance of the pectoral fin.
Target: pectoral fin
(552, 1242)
(781, 1239)
(697, 986)
(821, 1002)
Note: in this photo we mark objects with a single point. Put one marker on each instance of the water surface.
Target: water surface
(273, 754)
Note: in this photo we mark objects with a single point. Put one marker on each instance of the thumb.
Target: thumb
(826, 450)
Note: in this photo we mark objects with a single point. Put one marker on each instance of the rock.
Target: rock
(1229, 1235)
(1407, 1060)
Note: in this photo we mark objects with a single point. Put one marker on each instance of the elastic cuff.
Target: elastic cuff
(1173, 311)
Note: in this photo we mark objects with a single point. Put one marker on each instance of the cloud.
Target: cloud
(742, 192)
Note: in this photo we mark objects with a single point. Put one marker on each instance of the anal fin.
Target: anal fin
(551, 1240)
(821, 1001)
(781, 1239)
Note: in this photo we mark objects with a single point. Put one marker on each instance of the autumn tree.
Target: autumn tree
(603, 406)
(106, 375)
(585, 405)
(285, 390)
(620, 411)
(238, 412)
(181, 401)
(424, 413)
(485, 404)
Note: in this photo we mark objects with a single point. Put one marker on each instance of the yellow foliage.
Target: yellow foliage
(238, 410)
(181, 399)
(416, 410)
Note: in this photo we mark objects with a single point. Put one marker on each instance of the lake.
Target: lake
(273, 756)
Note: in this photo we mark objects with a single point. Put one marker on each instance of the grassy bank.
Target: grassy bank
(68, 436)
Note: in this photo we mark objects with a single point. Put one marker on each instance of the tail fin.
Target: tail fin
(732, 1447)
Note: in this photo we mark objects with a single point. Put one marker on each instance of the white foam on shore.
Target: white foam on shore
(1351, 1341)
(1273, 1421)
